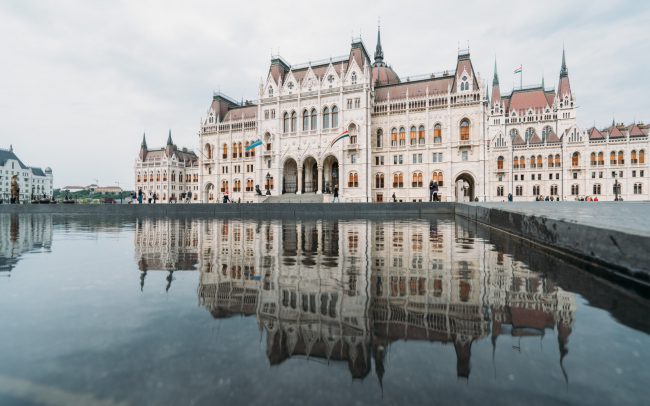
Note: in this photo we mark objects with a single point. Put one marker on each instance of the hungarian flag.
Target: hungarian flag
(345, 134)
(518, 70)
(254, 144)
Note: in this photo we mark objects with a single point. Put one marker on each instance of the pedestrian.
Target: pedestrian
(155, 197)
(140, 196)
(431, 191)
(394, 198)
(336, 194)
(226, 198)
(436, 198)
(189, 196)
(509, 197)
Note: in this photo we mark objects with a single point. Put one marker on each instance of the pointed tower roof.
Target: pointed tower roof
(496, 90)
(144, 141)
(169, 138)
(564, 87)
(563, 71)
(495, 80)
(379, 52)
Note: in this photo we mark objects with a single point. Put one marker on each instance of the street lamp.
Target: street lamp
(268, 184)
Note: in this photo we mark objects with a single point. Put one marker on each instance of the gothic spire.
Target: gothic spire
(495, 80)
(144, 142)
(379, 53)
(563, 71)
(169, 138)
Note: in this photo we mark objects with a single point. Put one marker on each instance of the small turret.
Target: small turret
(564, 86)
(169, 149)
(379, 52)
(496, 91)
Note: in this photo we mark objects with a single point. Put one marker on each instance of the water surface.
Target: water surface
(176, 311)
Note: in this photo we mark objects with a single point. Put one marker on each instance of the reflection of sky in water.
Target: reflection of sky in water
(290, 312)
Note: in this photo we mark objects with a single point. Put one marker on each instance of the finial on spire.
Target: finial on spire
(563, 71)
(169, 138)
(144, 141)
(379, 52)
(11, 148)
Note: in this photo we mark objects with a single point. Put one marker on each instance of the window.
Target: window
(237, 186)
(638, 188)
(558, 163)
(225, 151)
(621, 158)
(402, 137)
(519, 190)
(500, 161)
(437, 157)
(417, 158)
(597, 189)
(413, 137)
(398, 180)
(437, 177)
(305, 120)
(592, 159)
(224, 186)
(575, 189)
(313, 119)
(380, 138)
(335, 117)
(612, 158)
(349, 102)
(326, 118)
(464, 130)
(515, 163)
(208, 151)
(270, 91)
(353, 179)
(379, 160)
(398, 159)
(437, 134)
(285, 122)
(421, 138)
(353, 79)
(642, 156)
(522, 162)
(575, 159)
(536, 190)
(293, 121)
(546, 131)
(500, 190)
(553, 190)
(530, 131)
(416, 179)
(393, 137)
(379, 180)
(353, 158)
(464, 155)
(532, 161)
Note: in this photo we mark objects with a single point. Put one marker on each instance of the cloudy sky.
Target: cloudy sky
(80, 81)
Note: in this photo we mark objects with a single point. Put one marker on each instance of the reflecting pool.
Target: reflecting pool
(194, 311)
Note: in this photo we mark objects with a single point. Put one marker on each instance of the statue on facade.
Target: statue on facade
(15, 190)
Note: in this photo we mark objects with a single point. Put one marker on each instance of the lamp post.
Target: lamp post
(268, 184)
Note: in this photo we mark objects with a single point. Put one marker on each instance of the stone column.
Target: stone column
(299, 186)
(319, 190)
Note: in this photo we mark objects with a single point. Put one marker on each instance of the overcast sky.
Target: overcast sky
(80, 81)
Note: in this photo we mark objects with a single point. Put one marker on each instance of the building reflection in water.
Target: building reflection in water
(345, 291)
(20, 234)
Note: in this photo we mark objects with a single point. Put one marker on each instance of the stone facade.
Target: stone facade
(34, 183)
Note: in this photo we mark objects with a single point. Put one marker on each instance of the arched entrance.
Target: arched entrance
(330, 174)
(309, 175)
(290, 176)
(208, 193)
(465, 188)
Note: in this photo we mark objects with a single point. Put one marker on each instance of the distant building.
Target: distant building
(168, 172)
(108, 189)
(34, 182)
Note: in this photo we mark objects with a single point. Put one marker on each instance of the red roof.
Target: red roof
(522, 100)
(415, 89)
(614, 132)
(594, 134)
(248, 112)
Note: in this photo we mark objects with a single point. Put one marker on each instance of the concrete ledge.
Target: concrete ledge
(617, 247)
(242, 210)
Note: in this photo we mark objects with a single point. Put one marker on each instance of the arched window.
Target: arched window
(398, 180)
(499, 190)
(335, 117)
(138, 177)
(529, 133)
(549, 161)
(540, 161)
(270, 91)
(575, 159)
(224, 186)
(500, 161)
(353, 134)
(326, 118)
(642, 156)
(305, 120)
(164, 176)
(393, 137)
(285, 122)
(414, 136)
(516, 163)
(379, 180)
(402, 136)
(558, 162)
(464, 130)
(601, 158)
(621, 158)
(157, 176)
(225, 151)
(612, 158)
(237, 186)
(416, 179)
(592, 159)
(380, 138)
(353, 179)
(353, 78)
(638, 188)
(633, 157)
(437, 177)
(575, 189)
(597, 189)
(532, 161)
(522, 162)
(208, 151)
(313, 119)
(249, 185)
(513, 134)
(437, 134)
(246, 151)
(421, 137)
(546, 131)
(294, 120)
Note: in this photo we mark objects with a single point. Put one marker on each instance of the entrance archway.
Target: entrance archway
(208, 193)
(290, 176)
(309, 175)
(330, 174)
(465, 188)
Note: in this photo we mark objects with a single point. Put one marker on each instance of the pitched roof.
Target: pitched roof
(594, 134)
(241, 113)
(534, 139)
(552, 137)
(635, 131)
(614, 132)
(518, 140)
(37, 171)
(414, 89)
(523, 99)
(6, 155)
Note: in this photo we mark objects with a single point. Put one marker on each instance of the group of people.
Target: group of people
(140, 196)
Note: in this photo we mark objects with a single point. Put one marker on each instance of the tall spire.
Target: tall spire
(563, 71)
(542, 82)
(144, 141)
(495, 80)
(169, 138)
(379, 53)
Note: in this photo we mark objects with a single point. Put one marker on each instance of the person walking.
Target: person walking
(509, 197)
(140, 196)
(431, 191)
(226, 198)
(336, 194)
(394, 198)
(435, 191)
